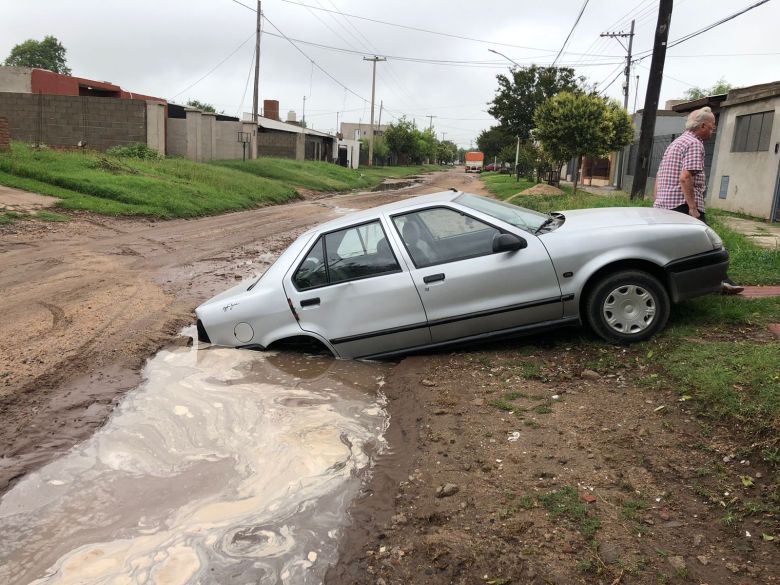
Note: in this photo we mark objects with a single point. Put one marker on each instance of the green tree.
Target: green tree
(447, 152)
(46, 54)
(576, 125)
(202, 106)
(517, 98)
(720, 87)
(401, 138)
(492, 140)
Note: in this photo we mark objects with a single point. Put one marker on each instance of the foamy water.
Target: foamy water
(225, 466)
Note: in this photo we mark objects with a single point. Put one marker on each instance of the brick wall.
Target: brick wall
(5, 134)
(64, 121)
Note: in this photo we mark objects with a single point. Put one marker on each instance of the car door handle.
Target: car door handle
(433, 278)
(310, 302)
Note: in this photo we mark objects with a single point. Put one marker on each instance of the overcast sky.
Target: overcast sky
(203, 49)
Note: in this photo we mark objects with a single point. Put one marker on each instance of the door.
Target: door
(351, 290)
(466, 288)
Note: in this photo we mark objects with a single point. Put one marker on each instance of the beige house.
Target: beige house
(356, 131)
(745, 174)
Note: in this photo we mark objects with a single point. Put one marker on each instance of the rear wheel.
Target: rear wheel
(627, 306)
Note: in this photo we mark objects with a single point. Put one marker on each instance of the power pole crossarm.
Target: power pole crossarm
(373, 91)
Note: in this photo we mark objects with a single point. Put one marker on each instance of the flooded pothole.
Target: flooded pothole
(224, 466)
(393, 184)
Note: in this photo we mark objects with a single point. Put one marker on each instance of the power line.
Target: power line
(217, 66)
(423, 30)
(576, 22)
(705, 29)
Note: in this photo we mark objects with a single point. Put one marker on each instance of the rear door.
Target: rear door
(466, 288)
(352, 290)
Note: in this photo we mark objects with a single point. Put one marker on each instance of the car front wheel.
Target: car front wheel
(627, 306)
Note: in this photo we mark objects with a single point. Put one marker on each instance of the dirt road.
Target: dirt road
(543, 460)
(85, 303)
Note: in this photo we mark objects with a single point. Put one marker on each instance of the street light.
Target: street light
(505, 57)
(517, 150)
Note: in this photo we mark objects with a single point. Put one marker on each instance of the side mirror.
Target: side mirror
(508, 243)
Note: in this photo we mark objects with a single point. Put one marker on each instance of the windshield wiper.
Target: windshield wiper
(550, 218)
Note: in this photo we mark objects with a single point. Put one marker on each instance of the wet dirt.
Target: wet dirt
(544, 460)
(85, 303)
(224, 466)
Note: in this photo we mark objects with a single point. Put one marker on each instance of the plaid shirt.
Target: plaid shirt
(685, 153)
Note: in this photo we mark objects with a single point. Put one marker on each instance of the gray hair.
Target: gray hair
(697, 117)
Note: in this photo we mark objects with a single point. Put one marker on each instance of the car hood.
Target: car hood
(610, 217)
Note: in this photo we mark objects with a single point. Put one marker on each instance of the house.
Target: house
(353, 131)
(745, 175)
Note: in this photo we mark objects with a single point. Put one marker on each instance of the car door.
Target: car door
(351, 289)
(466, 288)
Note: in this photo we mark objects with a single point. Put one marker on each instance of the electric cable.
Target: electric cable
(576, 22)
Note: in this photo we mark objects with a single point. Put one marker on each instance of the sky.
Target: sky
(438, 69)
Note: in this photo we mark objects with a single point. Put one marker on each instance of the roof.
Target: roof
(270, 124)
(752, 93)
(713, 101)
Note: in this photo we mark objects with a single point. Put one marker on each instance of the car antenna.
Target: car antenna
(453, 189)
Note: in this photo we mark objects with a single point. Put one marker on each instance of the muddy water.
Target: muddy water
(225, 466)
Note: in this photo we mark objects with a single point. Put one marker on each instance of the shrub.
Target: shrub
(137, 150)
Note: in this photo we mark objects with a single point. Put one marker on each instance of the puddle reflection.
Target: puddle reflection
(225, 466)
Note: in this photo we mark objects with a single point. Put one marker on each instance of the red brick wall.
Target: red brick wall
(5, 134)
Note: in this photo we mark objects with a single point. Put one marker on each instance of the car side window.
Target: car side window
(440, 234)
(311, 273)
(350, 254)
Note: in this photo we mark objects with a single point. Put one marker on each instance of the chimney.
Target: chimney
(271, 109)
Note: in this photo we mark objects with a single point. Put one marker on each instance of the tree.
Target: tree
(447, 152)
(721, 86)
(517, 98)
(401, 138)
(575, 125)
(491, 141)
(46, 54)
(202, 106)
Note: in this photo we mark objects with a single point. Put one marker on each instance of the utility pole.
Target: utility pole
(303, 115)
(626, 84)
(636, 92)
(373, 90)
(381, 105)
(257, 62)
(431, 116)
(651, 99)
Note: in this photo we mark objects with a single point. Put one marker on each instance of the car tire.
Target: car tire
(627, 306)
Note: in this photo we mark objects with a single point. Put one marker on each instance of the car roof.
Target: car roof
(358, 216)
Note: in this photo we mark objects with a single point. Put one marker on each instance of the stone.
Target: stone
(704, 560)
(428, 383)
(678, 563)
(447, 490)
(589, 375)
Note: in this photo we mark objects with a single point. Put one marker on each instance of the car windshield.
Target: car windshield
(520, 217)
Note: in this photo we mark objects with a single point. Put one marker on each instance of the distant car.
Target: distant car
(491, 167)
(454, 267)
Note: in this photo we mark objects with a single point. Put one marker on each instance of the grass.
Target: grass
(566, 503)
(707, 352)
(174, 187)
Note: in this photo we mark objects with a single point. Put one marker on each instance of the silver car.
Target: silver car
(454, 267)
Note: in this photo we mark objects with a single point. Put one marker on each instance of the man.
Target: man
(680, 182)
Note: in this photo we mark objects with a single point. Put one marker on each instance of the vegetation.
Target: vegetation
(720, 87)
(572, 125)
(202, 106)
(135, 180)
(46, 54)
(408, 144)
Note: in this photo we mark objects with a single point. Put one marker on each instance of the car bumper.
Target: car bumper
(697, 275)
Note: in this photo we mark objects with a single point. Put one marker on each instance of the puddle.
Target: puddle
(393, 184)
(224, 466)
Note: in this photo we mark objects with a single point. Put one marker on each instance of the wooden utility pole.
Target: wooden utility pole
(373, 91)
(654, 80)
(626, 85)
(257, 63)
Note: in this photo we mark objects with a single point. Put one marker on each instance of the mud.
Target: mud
(85, 303)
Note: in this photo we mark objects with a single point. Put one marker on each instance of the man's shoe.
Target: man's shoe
(730, 289)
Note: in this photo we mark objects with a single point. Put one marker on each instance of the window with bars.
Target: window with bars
(752, 132)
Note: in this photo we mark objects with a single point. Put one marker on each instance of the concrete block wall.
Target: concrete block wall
(5, 134)
(278, 144)
(64, 121)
